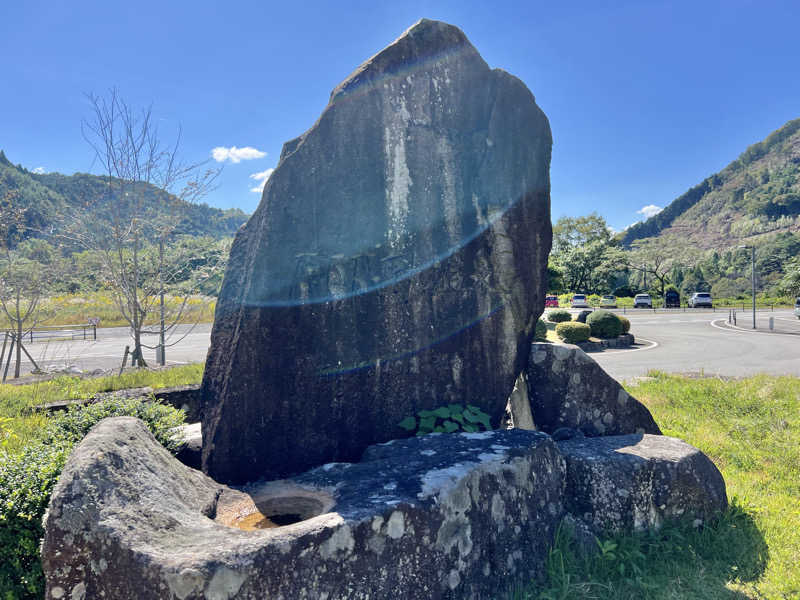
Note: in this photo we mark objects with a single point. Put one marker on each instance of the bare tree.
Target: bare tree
(146, 189)
(22, 283)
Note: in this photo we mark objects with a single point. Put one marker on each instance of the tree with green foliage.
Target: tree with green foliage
(585, 254)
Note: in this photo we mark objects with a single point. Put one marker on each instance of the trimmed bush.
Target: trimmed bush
(581, 317)
(541, 330)
(559, 316)
(27, 479)
(573, 332)
(604, 324)
(626, 324)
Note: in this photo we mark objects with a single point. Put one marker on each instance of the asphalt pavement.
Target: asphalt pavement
(702, 342)
(693, 341)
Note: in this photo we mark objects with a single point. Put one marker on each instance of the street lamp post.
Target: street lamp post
(753, 279)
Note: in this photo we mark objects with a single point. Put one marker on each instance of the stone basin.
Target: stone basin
(444, 515)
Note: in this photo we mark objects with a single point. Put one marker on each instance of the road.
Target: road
(678, 342)
(191, 345)
(702, 342)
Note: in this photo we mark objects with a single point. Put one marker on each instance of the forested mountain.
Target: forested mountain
(51, 199)
(749, 201)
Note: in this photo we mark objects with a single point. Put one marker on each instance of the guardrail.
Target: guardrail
(57, 332)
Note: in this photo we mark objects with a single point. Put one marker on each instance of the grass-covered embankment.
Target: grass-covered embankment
(19, 425)
(751, 429)
(34, 448)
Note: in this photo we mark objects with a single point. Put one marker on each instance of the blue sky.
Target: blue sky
(645, 98)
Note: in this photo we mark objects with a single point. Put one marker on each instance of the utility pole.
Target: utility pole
(753, 277)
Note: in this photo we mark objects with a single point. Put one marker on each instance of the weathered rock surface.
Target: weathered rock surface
(396, 262)
(431, 517)
(636, 482)
(567, 388)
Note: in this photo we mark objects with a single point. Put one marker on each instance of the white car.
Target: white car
(579, 301)
(642, 301)
(797, 308)
(700, 299)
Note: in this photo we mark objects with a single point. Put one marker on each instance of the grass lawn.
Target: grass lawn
(75, 309)
(751, 430)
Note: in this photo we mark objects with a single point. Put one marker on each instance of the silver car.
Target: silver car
(797, 308)
(642, 301)
(579, 301)
(700, 299)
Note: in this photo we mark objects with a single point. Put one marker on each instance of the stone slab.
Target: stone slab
(440, 516)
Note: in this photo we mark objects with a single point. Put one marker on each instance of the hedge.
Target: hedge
(626, 324)
(573, 332)
(27, 479)
(559, 316)
(604, 324)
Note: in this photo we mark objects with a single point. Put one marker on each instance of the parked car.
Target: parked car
(672, 299)
(642, 301)
(579, 301)
(797, 308)
(608, 302)
(700, 299)
(551, 301)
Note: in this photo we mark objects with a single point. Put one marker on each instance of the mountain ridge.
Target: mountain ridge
(756, 194)
(52, 198)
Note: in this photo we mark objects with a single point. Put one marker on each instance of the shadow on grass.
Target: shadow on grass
(678, 561)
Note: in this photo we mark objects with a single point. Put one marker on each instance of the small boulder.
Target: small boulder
(567, 388)
(636, 482)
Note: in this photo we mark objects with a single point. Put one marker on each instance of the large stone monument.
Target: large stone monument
(396, 263)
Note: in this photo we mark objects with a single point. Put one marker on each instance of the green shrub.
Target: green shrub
(626, 324)
(541, 330)
(573, 332)
(604, 324)
(27, 479)
(559, 316)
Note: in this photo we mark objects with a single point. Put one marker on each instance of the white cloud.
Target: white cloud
(39, 170)
(262, 179)
(649, 210)
(235, 155)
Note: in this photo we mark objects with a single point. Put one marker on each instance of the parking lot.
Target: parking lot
(701, 341)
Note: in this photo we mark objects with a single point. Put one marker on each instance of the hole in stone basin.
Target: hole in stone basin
(272, 512)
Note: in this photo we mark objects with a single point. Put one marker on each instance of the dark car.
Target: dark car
(672, 299)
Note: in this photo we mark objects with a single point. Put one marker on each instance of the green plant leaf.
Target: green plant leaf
(450, 427)
(456, 408)
(438, 429)
(442, 412)
(473, 408)
(470, 428)
(458, 417)
(409, 423)
(472, 417)
(427, 424)
(425, 413)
